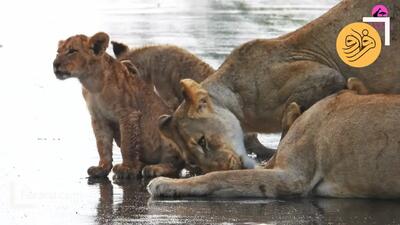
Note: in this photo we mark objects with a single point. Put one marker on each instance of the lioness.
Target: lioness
(259, 80)
(346, 145)
(122, 107)
(164, 66)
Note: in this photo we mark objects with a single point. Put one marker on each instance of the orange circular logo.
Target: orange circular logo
(358, 44)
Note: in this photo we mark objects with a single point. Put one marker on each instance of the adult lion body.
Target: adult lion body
(346, 145)
(258, 80)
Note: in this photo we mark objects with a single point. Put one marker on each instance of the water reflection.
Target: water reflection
(135, 206)
(129, 206)
(211, 28)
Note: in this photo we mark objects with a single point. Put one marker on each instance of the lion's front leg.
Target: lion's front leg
(130, 146)
(104, 138)
(235, 183)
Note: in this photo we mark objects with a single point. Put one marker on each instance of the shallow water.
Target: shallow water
(47, 142)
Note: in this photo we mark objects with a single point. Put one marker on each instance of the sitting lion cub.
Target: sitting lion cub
(122, 107)
(346, 145)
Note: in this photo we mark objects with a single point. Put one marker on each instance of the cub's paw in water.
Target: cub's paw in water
(98, 171)
(122, 171)
(161, 186)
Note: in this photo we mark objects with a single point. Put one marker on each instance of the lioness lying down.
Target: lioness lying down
(346, 145)
(122, 107)
(164, 66)
(258, 80)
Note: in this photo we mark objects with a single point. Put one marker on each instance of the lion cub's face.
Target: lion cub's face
(207, 135)
(79, 55)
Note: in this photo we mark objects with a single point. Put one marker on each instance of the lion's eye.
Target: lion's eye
(202, 142)
(71, 51)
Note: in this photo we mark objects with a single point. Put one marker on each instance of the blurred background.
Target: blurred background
(47, 141)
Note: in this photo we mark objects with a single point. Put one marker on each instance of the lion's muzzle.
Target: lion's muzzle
(60, 74)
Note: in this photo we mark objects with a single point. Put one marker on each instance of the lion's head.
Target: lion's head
(78, 55)
(209, 136)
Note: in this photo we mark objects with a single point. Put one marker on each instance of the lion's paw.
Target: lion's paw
(98, 171)
(151, 171)
(122, 171)
(161, 186)
(159, 170)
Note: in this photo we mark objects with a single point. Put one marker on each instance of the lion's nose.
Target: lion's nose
(56, 64)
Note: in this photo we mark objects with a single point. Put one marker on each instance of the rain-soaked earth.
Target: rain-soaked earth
(46, 140)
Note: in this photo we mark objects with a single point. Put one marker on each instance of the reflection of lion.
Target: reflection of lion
(122, 108)
(346, 145)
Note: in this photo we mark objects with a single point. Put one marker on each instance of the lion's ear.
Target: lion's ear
(291, 113)
(197, 97)
(164, 124)
(98, 43)
(60, 42)
(119, 48)
(357, 85)
(130, 67)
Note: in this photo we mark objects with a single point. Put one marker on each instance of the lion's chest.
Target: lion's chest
(102, 107)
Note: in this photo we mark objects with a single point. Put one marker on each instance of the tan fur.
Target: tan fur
(259, 79)
(216, 149)
(291, 113)
(122, 107)
(198, 97)
(346, 146)
(164, 66)
(357, 85)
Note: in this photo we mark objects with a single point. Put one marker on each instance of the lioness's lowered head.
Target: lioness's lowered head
(209, 136)
(77, 55)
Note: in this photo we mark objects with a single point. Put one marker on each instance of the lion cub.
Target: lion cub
(164, 66)
(122, 107)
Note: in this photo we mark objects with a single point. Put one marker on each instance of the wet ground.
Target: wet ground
(46, 140)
